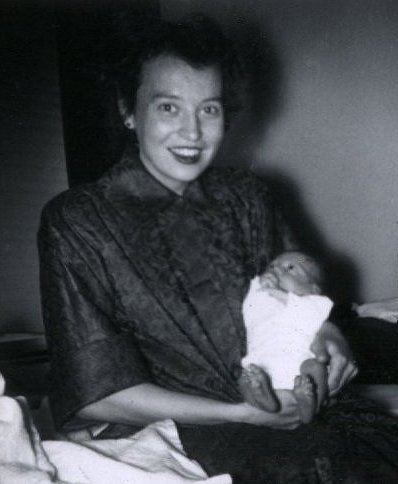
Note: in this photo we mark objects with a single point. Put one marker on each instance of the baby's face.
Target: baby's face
(291, 272)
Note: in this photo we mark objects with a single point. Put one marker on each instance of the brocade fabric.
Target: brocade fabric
(142, 285)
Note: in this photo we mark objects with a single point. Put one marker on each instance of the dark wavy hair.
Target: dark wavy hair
(198, 41)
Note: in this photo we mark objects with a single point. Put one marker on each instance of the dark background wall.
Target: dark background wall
(91, 37)
(331, 146)
(32, 164)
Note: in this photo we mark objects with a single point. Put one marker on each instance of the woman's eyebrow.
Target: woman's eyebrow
(161, 95)
(213, 100)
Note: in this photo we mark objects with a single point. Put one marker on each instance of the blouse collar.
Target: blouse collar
(130, 175)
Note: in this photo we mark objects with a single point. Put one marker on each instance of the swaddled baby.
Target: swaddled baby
(283, 310)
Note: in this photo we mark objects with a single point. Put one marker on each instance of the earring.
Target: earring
(129, 124)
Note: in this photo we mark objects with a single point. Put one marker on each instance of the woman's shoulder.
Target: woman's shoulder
(77, 202)
(73, 204)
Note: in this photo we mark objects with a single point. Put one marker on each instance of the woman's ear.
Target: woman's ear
(125, 113)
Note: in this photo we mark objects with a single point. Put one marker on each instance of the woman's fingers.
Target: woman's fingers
(350, 372)
(289, 415)
(286, 419)
(318, 347)
(286, 424)
(330, 347)
(341, 368)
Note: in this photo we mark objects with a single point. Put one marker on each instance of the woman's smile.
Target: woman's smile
(186, 155)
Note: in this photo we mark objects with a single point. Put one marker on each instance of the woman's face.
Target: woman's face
(178, 119)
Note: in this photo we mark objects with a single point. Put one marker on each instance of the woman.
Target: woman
(143, 276)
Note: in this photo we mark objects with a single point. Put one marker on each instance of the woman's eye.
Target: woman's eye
(167, 108)
(212, 110)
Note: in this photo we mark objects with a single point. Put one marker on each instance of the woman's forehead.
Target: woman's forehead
(172, 75)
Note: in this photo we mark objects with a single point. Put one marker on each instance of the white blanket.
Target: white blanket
(279, 333)
(152, 456)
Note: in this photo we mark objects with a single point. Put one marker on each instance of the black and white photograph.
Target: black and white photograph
(199, 241)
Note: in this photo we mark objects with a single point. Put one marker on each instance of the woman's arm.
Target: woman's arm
(146, 403)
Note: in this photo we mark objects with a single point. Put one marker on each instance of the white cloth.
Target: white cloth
(279, 334)
(152, 456)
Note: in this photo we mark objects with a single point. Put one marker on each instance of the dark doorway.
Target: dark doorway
(89, 39)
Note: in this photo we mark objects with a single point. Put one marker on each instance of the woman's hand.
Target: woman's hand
(330, 347)
(256, 389)
(387, 310)
(286, 419)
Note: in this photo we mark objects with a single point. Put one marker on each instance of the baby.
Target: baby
(283, 311)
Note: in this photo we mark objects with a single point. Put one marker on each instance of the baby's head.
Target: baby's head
(295, 272)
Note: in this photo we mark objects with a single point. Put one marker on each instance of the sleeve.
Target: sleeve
(91, 357)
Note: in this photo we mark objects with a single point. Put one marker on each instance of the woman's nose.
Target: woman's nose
(191, 127)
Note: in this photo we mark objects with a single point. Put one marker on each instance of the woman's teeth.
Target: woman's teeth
(186, 155)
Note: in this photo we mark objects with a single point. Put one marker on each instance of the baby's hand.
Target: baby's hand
(281, 296)
(268, 281)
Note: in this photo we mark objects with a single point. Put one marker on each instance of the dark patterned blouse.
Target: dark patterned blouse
(142, 285)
